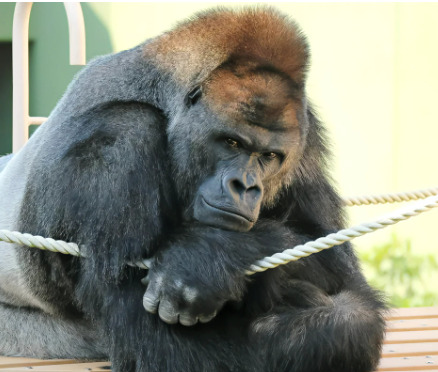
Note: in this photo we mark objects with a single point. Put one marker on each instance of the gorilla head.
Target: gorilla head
(253, 142)
(237, 140)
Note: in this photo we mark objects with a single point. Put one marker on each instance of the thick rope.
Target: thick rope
(40, 242)
(342, 236)
(277, 259)
(391, 198)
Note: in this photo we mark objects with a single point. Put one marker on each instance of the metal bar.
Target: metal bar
(36, 120)
(20, 75)
(76, 31)
(20, 65)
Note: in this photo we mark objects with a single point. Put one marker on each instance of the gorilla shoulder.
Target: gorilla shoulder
(4, 161)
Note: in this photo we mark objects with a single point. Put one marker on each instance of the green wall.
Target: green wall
(6, 14)
(49, 69)
(5, 97)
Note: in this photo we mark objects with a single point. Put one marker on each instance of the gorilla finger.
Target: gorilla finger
(187, 320)
(153, 283)
(145, 280)
(207, 318)
(167, 312)
(150, 303)
(148, 262)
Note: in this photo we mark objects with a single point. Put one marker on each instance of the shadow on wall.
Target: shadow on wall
(49, 69)
(5, 97)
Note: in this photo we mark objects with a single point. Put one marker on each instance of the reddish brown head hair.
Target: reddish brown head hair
(195, 48)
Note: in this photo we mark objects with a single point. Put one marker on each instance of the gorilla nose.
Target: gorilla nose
(243, 186)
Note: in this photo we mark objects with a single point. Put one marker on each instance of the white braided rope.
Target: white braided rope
(342, 236)
(391, 198)
(277, 259)
(39, 242)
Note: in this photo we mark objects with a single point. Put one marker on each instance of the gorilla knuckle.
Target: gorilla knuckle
(190, 294)
(150, 304)
(188, 320)
(207, 318)
(168, 312)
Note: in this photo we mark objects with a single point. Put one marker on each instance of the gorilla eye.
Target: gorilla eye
(232, 143)
(271, 155)
(193, 96)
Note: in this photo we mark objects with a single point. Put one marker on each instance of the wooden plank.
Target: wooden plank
(413, 313)
(416, 363)
(7, 362)
(411, 345)
(410, 349)
(412, 324)
(411, 337)
(76, 367)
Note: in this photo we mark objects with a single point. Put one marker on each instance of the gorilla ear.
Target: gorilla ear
(193, 96)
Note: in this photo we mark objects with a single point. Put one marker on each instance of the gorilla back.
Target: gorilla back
(199, 151)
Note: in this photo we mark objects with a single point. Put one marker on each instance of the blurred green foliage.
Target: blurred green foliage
(407, 279)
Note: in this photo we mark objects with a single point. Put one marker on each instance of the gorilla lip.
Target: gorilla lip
(230, 212)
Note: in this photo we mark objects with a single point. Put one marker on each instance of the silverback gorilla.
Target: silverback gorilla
(199, 150)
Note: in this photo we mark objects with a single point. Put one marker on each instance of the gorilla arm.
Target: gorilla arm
(202, 268)
(320, 303)
(111, 188)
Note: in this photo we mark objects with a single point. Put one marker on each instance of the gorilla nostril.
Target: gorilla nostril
(238, 187)
(254, 191)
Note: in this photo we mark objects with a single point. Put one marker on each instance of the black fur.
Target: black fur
(116, 169)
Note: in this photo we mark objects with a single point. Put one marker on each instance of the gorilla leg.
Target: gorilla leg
(341, 335)
(32, 333)
(140, 341)
(201, 348)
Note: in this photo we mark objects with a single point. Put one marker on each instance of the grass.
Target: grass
(407, 278)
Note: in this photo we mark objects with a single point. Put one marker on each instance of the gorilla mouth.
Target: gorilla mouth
(228, 211)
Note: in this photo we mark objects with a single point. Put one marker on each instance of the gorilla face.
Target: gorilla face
(252, 145)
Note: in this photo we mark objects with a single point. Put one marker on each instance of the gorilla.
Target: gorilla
(199, 151)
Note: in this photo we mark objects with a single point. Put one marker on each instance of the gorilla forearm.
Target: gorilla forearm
(197, 272)
(318, 318)
(202, 268)
(320, 337)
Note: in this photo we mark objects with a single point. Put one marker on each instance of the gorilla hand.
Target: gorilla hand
(190, 281)
(178, 300)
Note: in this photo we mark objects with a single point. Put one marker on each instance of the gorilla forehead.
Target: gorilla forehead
(245, 94)
(198, 46)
